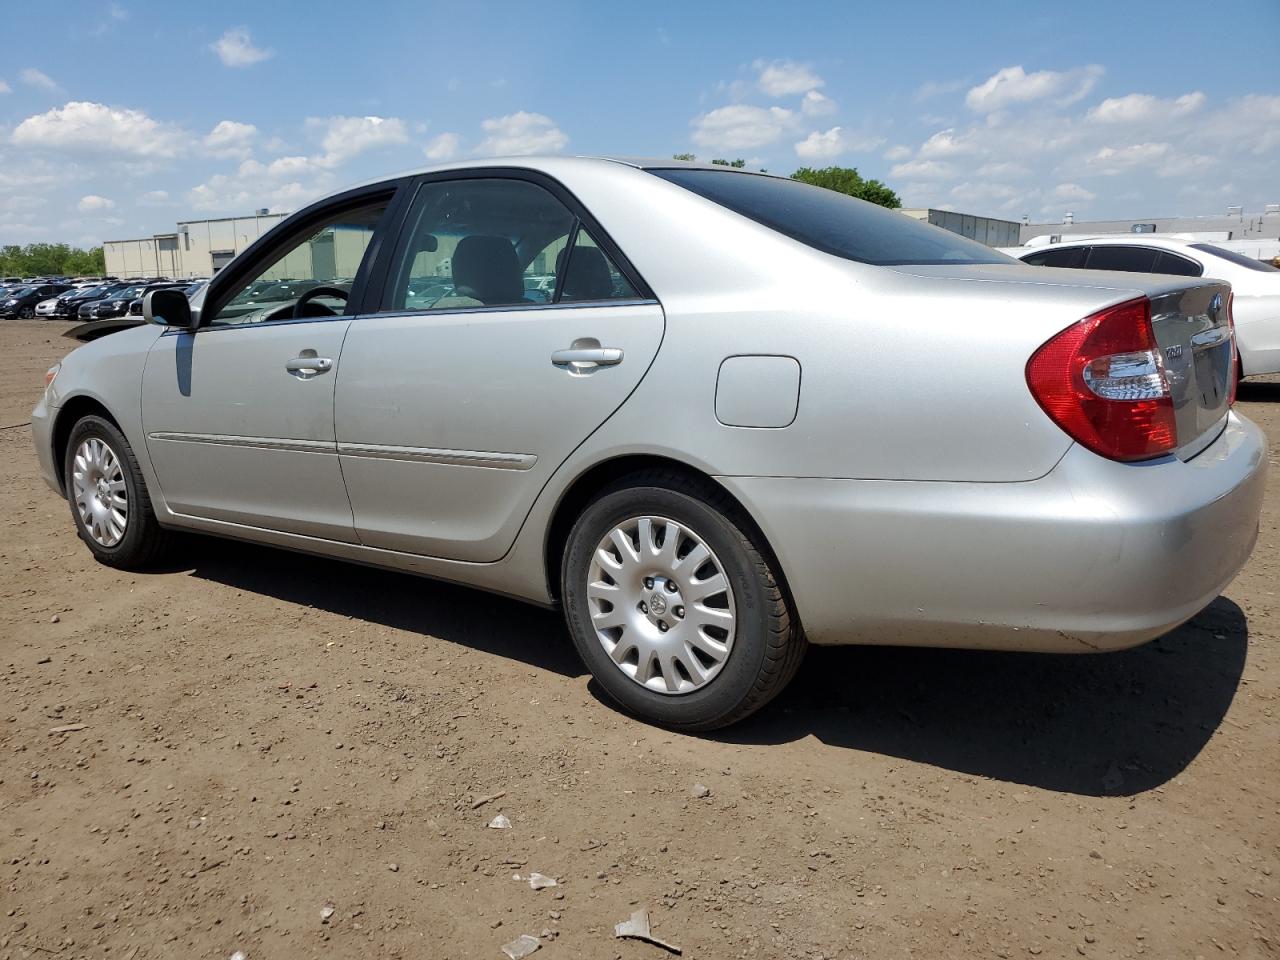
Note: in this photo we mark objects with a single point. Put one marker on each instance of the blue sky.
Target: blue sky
(117, 119)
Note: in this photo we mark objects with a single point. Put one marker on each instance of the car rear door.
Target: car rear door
(453, 411)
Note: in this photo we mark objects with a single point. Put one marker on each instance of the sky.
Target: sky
(118, 119)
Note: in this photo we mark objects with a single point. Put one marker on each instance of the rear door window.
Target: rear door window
(1125, 259)
(1058, 257)
(497, 242)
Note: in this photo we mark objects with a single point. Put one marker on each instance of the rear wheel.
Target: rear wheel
(108, 496)
(674, 608)
(26, 313)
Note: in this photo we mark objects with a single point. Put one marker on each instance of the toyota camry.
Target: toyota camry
(741, 415)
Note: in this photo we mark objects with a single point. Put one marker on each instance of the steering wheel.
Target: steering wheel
(314, 292)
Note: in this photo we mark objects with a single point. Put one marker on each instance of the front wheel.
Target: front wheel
(26, 313)
(674, 608)
(108, 496)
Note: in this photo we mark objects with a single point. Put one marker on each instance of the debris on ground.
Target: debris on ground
(69, 728)
(701, 791)
(637, 928)
(481, 801)
(536, 880)
(500, 822)
(521, 946)
(326, 912)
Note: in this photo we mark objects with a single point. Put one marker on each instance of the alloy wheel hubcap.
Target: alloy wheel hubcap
(661, 605)
(101, 498)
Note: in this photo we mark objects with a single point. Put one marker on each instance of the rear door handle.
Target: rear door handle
(305, 366)
(600, 356)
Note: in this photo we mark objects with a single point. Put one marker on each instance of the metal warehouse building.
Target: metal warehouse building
(988, 230)
(1235, 225)
(198, 248)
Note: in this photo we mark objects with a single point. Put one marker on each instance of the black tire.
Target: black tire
(768, 643)
(144, 543)
(26, 313)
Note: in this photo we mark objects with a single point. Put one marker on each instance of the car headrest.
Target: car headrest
(487, 269)
(588, 277)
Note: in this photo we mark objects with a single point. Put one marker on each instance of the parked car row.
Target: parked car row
(1254, 301)
(60, 298)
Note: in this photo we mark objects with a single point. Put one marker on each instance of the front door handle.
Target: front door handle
(305, 366)
(601, 356)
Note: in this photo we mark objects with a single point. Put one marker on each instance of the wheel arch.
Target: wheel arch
(600, 476)
(69, 414)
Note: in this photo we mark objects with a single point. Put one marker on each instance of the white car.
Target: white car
(1255, 285)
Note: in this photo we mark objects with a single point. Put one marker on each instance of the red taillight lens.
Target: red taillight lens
(1103, 382)
(1233, 375)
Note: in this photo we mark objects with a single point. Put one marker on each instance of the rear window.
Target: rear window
(832, 222)
(1239, 259)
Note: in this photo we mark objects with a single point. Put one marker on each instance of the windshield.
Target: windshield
(1239, 259)
(19, 291)
(833, 222)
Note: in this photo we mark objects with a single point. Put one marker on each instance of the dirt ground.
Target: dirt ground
(267, 735)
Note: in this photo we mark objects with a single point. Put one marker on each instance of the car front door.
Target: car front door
(458, 401)
(238, 414)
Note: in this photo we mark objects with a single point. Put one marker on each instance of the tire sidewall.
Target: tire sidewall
(107, 432)
(738, 677)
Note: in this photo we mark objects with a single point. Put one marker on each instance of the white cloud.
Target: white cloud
(443, 147)
(82, 125)
(1013, 85)
(947, 143)
(815, 104)
(897, 152)
(118, 12)
(784, 78)
(924, 169)
(235, 49)
(231, 138)
(1144, 108)
(1072, 192)
(35, 78)
(94, 202)
(821, 145)
(5, 88)
(1110, 161)
(346, 137)
(521, 133)
(283, 184)
(154, 198)
(741, 127)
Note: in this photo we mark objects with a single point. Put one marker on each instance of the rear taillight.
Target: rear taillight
(1103, 382)
(1233, 375)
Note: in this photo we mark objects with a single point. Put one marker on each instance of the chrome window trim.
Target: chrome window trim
(252, 443)
(453, 458)
(505, 308)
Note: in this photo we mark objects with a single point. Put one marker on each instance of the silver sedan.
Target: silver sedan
(742, 415)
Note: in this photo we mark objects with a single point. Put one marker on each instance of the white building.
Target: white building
(198, 248)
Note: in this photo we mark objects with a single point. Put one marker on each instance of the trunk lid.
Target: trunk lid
(1193, 332)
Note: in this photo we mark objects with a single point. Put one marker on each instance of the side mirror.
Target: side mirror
(168, 308)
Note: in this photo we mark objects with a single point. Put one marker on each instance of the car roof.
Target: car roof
(1114, 240)
(553, 165)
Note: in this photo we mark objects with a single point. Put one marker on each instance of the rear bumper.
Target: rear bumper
(1094, 556)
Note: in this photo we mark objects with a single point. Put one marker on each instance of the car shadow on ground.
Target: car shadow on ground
(1113, 724)
(472, 618)
(1259, 391)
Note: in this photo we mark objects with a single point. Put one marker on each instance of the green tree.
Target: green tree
(50, 259)
(730, 163)
(683, 156)
(848, 180)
